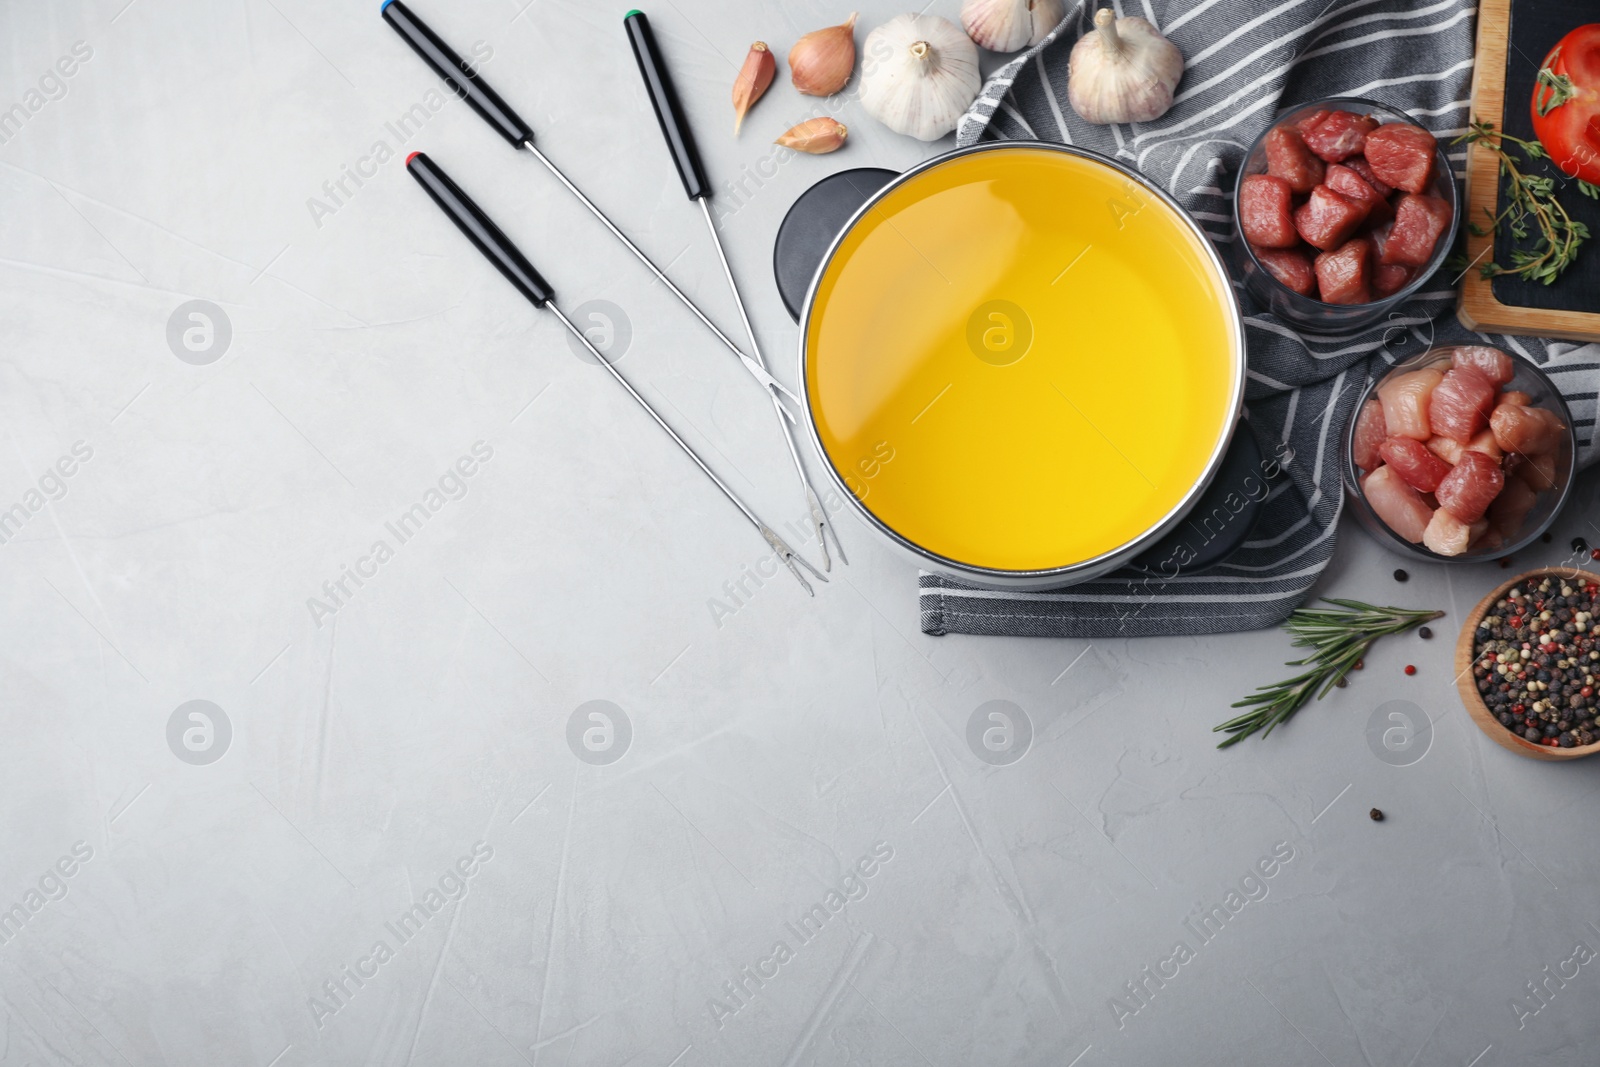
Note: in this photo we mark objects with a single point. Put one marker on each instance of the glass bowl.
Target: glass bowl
(1527, 378)
(1304, 311)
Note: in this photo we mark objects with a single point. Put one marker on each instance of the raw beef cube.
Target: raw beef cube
(1327, 219)
(1492, 363)
(1401, 155)
(1264, 205)
(1406, 398)
(1289, 158)
(1342, 275)
(1510, 509)
(1448, 535)
(1291, 266)
(1411, 460)
(1389, 278)
(1363, 168)
(1524, 430)
(1380, 239)
(1471, 486)
(1537, 471)
(1340, 135)
(1310, 122)
(1516, 397)
(1400, 507)
(1369, 436)
(1418, 223)
(1462, 404)
(1349, 184)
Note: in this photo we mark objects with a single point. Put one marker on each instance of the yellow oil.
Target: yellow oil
(1021, 360)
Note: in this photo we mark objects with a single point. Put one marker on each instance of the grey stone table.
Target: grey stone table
(398, 828)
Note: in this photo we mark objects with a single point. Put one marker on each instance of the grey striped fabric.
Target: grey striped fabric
(1245, 61)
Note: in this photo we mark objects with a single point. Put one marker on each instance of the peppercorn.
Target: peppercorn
(1425, 633)
(1376, 815)
(1579, 545)
(1400, 575)
(1411, 668)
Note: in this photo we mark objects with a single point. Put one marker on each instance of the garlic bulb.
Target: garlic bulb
(1122, 71)
(920, 75)
(1010, 25)
(821, 61)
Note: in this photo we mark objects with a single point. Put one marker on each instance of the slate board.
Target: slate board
(1536, 26)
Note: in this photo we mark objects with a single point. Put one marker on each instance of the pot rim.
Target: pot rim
(1083, 570)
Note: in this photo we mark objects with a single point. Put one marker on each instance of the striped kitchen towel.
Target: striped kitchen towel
(1245, 61)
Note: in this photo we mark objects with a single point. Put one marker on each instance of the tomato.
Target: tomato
(1566, 104)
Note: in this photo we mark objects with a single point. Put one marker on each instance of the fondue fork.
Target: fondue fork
(495, 246)
(680, 142)
(468, 84)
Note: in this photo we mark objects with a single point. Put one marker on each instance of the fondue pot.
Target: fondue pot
(1023, 364)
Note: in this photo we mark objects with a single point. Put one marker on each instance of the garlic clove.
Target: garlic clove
(820, 62)
(816, 137)
(922, 77)
(754, 77)
(1010, 25)
(1122, 71)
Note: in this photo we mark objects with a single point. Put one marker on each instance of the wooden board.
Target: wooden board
(1570, 308)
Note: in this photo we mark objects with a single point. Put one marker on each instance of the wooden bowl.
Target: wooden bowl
(1466, 683)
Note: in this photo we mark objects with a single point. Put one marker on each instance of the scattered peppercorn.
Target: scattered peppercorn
(1425, 633)
(1376, 814)
(1505, 563)
(1595, 554)
(1360, 663)
(1411, 668)
(1579, 545)
(1546, 537)
(1401, 575)
(1342, 683)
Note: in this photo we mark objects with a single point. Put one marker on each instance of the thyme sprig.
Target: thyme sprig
(1339, 639)
(1532, 199)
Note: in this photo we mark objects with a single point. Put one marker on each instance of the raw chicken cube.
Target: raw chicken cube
(1352, 186)
(1449, 449)
(1402, 155)
(1418, 223)
(1342, 275)
(1448, 535)
(1400, 507)
(1264, 205)
(1510, 509)
(1406, 398)
(1517, 397)
(1363, 168)
(1340, 135)
(1492, 363)
(1327, 219)
(1389, 278)
(1537, 471)
(1462, 404)
(1414, 463)
(1369, 436)
(1486, 444)
(1291, 266)
(1289, 158)
(1525, 430)
(1471, 486)
(1446, 449)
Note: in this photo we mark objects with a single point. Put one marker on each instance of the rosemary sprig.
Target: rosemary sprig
(1339, 638)
(1531, 197)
